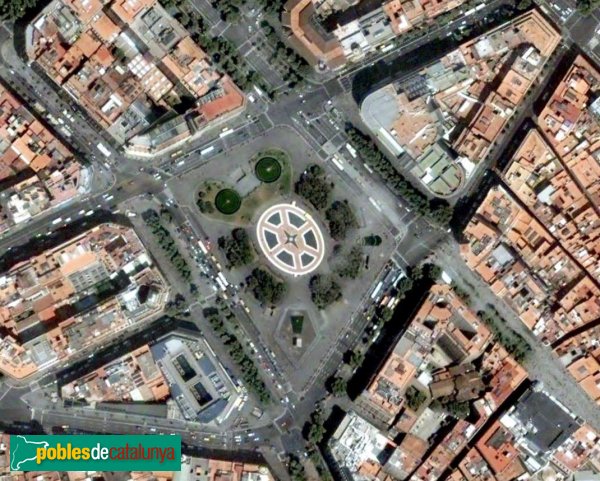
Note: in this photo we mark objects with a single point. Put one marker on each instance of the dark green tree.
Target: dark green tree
(266, 288)
(15, 9)
(414, 398)
(438, 211)
(237, 248)
(296, 469)
(324, 291)
(341, 219)
(373, 240)
(353, 264)
(339, 386)
(313, 186)
(316, 428)
(356, 359)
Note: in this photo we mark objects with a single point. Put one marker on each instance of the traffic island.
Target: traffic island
(295, 333)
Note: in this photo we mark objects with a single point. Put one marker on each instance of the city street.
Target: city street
(541, 364)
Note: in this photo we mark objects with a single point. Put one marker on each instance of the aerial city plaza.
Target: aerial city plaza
(290, 239)
(304, 240)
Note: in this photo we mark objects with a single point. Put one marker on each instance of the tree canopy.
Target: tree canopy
(250, 373)
(15, 9)
(237, 247)
(437, 210)
(414, 398)
(341, 219)
(266, 288)
(353, 264)
(167, 243)
(339, 386)
(324, 291)
(313, 186)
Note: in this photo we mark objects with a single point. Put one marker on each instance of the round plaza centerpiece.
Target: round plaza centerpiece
(228, 201)
(290, 239)
(268, 169)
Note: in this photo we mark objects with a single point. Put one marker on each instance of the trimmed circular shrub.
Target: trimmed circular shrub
(268, 169)
(227, 201)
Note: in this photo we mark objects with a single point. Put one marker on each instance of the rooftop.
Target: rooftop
(535, 239)
(448, 116)
(197, 381)
(37, 171)
(71, 297)
(131, 65)
(361, 27)
(548, 423)
(133, 377)
(435, 356)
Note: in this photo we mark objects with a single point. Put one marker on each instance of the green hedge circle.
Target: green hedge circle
(268, 169)
(228, 201)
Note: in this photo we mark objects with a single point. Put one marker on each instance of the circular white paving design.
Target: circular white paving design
(291, 239)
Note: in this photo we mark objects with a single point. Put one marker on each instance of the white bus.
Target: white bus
(352, 150)
(222, 285)
(375, 203)
(337, 162)
(208, 150)
(222, 278)
(203, 247)
(103, 149)
(376, 291)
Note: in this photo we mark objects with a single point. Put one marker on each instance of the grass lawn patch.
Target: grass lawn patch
(297, 322)
(228, 201)
(268, 169)
(218, 199)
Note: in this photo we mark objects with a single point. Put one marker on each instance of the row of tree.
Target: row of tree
(314, 432)
(382, 315)
(230, 10)
(15, 9)
(272, 7)
(167, 243)
(316, 427)
(587, 6)
(250, 374)
(515, 344)
(222, 51)
(296, 469)
(295, 68)
(317, 459)
(437, 210)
